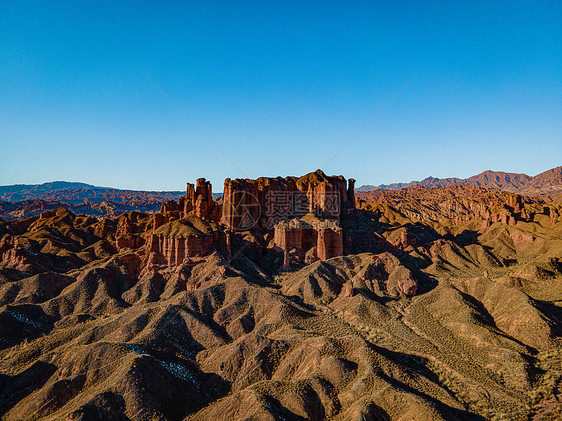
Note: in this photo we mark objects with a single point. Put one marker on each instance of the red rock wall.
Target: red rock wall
(199, 201)
(329, 244)
(263, 202)
(176, 249)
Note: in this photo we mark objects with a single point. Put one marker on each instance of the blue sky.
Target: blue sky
(279, 87)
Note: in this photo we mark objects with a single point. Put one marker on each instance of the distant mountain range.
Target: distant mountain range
(75, 193)
(548, 182)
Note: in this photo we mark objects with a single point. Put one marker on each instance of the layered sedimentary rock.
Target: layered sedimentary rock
(330, 243)
(129, 233)
(303, 212)
(176, 249)
(261, 203)
(173, 242)
(185, 229)
(460, 204)
(310, 237)
(199, 201)
(170, 207)
(91, 332)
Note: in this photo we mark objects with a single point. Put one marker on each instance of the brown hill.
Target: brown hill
(29, 208)
(546, 183)
(77, 193)
(499, 180)
(442, 304)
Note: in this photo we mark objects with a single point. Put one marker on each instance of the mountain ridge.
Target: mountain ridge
(77, 192)
(547, 182)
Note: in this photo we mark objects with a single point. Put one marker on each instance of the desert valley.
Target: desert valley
(280, 211)
(286, 298)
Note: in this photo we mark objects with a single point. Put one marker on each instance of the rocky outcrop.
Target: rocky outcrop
(130, 234)
(199, 201)
(262, 203)
(241, 209)
(170, 207)
(392, 277)
(329, 243)
(311, 240)
(184, 229)
(460, 204)
(172, 242)
(175, 250)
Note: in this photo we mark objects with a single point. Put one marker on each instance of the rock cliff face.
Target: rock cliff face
(173, 242)
(303, 212)
(199, 201)
(311, 238)
(129, 233)
(329, 243)
(264, 202)
(182, 229)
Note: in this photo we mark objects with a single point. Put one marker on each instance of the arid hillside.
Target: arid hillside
(29, 208)
(546, 183)
(79, 193)
(292, 299)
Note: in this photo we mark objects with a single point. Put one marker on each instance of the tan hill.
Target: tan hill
(430, 304)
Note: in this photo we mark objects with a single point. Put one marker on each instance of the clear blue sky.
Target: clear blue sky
(280, 87)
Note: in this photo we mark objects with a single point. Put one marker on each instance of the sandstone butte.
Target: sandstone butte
(302, 215)
(299, 217)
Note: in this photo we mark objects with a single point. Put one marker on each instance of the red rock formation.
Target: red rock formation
(131, 242)
(330, 243)
(199, 201)
(6, 243)
(129, 234)
(351, 192)
(286, 260)
(460, 204)
(176, 249)
(265, 201)
(241, 209)
(553, 213)
(406, 239)
(16, 258)
(189, 201)
(515, 201)
(289, 236)
(106, 228)
(325, 237)
(159, 219)
(173, 242)
(169, 207)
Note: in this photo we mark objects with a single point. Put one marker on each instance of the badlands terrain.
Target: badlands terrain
(289, 299)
